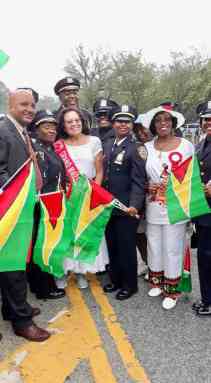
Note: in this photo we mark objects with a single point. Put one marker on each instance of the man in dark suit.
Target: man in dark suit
(203, 223)
(67, 89)
(14, 151)
(125, 178)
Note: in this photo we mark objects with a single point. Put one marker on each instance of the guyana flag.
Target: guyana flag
(17, 202)
(185, 194)
(53, 239)
(3, 58)
(90, 207)
(185, 285)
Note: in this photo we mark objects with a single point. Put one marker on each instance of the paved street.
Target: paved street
(98, 339)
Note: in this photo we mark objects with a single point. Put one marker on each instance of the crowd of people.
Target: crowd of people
(131, 156)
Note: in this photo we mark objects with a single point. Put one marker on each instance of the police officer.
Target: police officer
(124, 171)
(67, 89)
(103, 109)
(203, 223)
(44, 129)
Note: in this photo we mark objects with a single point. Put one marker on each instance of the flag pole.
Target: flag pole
(14, 175)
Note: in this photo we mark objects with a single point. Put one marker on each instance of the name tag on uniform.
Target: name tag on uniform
(119, 158)
(42, 155)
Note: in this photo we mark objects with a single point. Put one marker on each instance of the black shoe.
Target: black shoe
(125, 294)
(204, 310)
(0, 337)
(56, 294)
(196, 305)
(110, 288)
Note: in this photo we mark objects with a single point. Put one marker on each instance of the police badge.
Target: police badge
(142, 151)
(119, 158)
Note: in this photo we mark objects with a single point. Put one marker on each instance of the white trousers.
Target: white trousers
(165, 248)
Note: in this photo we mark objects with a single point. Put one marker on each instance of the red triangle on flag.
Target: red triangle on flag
(99, 196)
(180, 171)
(9, 195)
(53, 204)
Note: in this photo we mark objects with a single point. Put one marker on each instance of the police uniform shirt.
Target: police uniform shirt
(124, 172)
(104, 134)
(51, 166)
(203, 151)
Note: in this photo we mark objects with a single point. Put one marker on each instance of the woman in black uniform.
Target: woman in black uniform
(44, 131)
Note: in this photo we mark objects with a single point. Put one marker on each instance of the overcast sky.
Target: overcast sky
(38, 35)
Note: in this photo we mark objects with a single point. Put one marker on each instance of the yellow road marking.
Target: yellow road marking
(77, 339)
(132, 364)
(55, 359)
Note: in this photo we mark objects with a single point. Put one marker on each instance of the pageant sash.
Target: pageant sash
(73, 173)
(71, 169)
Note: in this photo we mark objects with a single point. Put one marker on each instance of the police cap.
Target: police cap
(66, 83)
(41, 117)
(204, 109)
(103, 105)
(124, 113)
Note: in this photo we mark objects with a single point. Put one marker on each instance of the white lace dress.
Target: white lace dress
(84, 159)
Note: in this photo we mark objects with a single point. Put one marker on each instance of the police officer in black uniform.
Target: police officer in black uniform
(67, 89)
(124, 177)
(103, 109)
(203, 223)
(44, 131)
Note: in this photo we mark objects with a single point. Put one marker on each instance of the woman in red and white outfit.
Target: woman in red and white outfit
(166, 241)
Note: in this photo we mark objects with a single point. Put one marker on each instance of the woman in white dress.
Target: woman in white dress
(165, 241)
(87, 154)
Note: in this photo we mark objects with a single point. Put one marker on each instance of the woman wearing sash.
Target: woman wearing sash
(166, 242)
(81, 153)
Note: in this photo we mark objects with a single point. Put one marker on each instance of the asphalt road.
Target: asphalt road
(172, 346)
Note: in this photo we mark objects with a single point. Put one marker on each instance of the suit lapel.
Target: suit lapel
(17, 135)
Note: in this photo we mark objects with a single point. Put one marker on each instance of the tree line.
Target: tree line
(128, 78)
